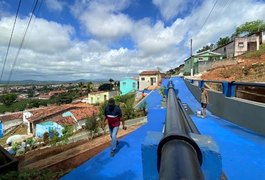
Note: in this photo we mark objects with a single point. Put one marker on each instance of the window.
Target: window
(142, 78)
(241, 44)
(134, 85)
(200, 59)
(124, 83)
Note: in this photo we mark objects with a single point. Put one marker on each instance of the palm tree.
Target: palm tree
(111, 81)
(81, 85)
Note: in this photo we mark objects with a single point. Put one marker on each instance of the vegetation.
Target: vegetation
(246, 28)
(8, 99)
(205, 48)
(92, 125)
(32, 174)
(250, 27)
(105, 87)
(223, 41)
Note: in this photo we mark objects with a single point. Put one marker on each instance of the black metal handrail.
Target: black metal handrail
(179, 157)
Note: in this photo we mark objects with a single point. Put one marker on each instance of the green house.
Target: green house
(128, 85)
(200, 61)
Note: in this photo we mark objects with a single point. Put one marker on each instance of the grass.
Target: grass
(257, 53)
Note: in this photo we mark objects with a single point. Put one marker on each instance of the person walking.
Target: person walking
(113, 116)
(204, 101)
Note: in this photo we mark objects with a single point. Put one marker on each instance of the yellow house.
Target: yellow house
(101, 96)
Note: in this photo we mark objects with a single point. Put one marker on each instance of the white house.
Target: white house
(149, 78)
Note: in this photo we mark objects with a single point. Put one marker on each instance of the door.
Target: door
(153, 81)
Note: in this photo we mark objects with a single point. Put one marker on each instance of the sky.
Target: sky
(103, 39)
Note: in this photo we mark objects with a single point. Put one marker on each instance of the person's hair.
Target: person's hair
(111, 101)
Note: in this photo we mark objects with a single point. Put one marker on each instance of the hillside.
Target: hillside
(250, 67)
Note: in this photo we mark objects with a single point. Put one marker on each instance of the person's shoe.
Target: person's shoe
(112, 153)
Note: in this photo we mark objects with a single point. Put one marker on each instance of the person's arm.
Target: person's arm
(122, 119)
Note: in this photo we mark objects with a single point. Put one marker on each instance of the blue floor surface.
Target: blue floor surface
(243, 151)
(127, 163)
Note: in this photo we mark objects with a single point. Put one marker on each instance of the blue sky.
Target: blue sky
(102, 39)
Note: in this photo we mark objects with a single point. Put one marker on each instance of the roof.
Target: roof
(210, 52)
(79, 110)
(11, 116)
(149, 73)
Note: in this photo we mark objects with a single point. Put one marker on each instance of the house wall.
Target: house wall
(263, 37)
(128, 85)
(227, 51)
(1, 130)
(101, 97)
(204, 66)
(48, 126)
(241, 44)
(11, 123)
(147, 81)
(187, 67)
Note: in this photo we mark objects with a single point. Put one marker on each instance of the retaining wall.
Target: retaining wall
(248, 114)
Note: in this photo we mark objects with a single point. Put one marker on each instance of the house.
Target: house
(1, 129)
(53, 118)
(11, 120)
(195, 63)
(128, 85)
(101, 96)
(149, 78)
(241, 45)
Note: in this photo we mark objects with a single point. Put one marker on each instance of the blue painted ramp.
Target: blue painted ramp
(127, 163)
(243, 151)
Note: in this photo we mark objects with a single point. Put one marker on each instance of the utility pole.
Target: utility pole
(191, 60)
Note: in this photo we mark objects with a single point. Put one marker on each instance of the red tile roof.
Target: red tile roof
(149, 73)
(54, 113)
(11, 116)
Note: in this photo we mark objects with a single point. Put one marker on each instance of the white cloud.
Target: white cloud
(171, 8)
(102, 19)
(55, 5)
(53, 52)
(42, 35)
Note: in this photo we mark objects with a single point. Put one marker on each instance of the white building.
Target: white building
(149, 78)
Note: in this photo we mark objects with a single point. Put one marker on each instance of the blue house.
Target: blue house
(128, 85)
(49, 127)
(1, 129)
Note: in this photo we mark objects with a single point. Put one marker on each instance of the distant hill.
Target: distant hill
(35, 82)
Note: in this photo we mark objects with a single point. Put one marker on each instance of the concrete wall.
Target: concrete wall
(248, 114)
(227, 50)
(145, 81)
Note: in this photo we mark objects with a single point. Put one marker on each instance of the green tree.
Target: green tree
(89, 87)
(223, 41)
(250, 27)
(8, 99)
(205, 48)
(92, 125)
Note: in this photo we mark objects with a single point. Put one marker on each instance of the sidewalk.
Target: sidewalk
(127, 163)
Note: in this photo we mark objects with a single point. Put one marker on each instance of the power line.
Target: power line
(10, 39)
(209, 13)
(21, 44)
